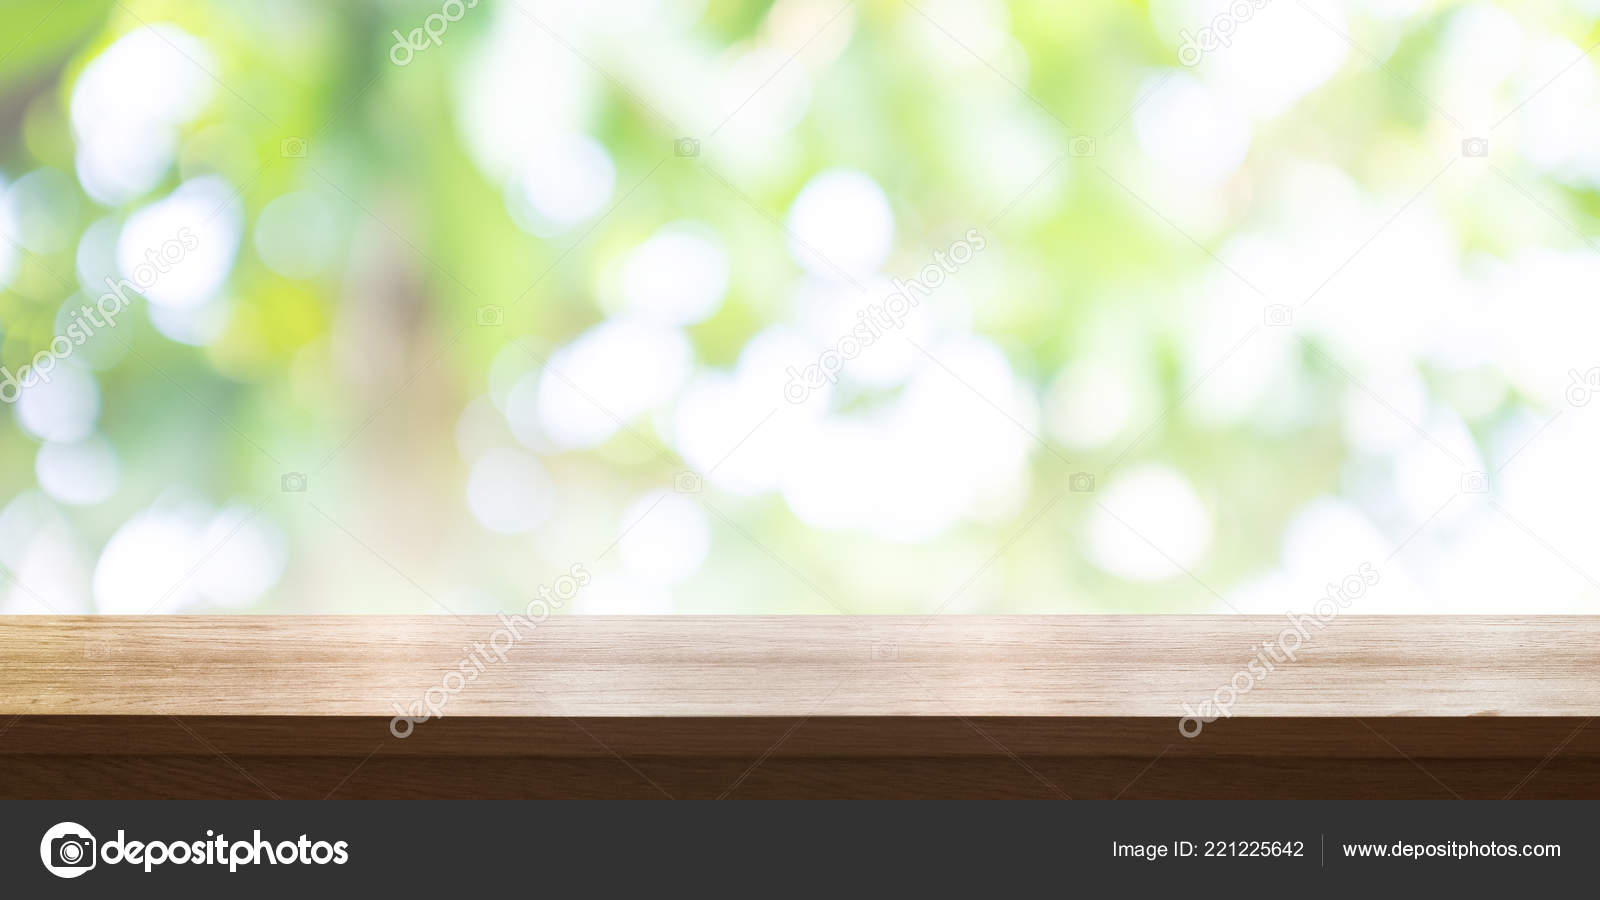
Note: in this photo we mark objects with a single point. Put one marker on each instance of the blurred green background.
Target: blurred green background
(427, 304)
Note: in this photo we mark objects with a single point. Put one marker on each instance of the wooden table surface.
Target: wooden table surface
(796, 706)
(796, 665)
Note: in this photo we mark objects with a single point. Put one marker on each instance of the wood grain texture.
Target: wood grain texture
(1048, 707)
(69, 757)
(1042, 666)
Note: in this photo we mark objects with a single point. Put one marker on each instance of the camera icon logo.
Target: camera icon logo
(1278, 314)
(67, 850)
(885, 651)
(1475, 147)
(686, 146)
(1081, 145)
(293, 482)
(491, 316)
(687, 482)
(1474, 482)
(1080, 483)
(292, 148)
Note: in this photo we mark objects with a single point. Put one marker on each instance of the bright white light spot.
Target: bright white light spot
(1412, 281)
(1381, 426)
(1091, 402)
(565, 180)
(147, 563)
(607, 376)
(1262, 595)
(1561, 135)
(842, 219)
(196, 326)
(666, 537)
(676, 277)
(178, 251)
(62, 409)
(247, 555)
(1331, 542)
(96, 256)
(1391, 10)
(41, 211)
(984, 26)
(1235, 374)
(737, 429)
(80, 474)
(296, 235)
(509, 491)
(909, 471)
(766, 360)
(1428, 470)
(48, 571)
(736, 435)
(873, 477)
(831, 311)
(1278, 56)
(114, 173)
(1328, 538)
(622, 593)
(1190, 130)
(1476, 53)
(151, 74)
(765, 94)
(518, 86)
(28, 513)
(127, 104)
(1542, 306)
(1146, 519)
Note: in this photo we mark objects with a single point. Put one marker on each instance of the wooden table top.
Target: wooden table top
(628, 666)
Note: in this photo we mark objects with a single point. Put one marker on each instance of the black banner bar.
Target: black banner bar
(89, 848)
